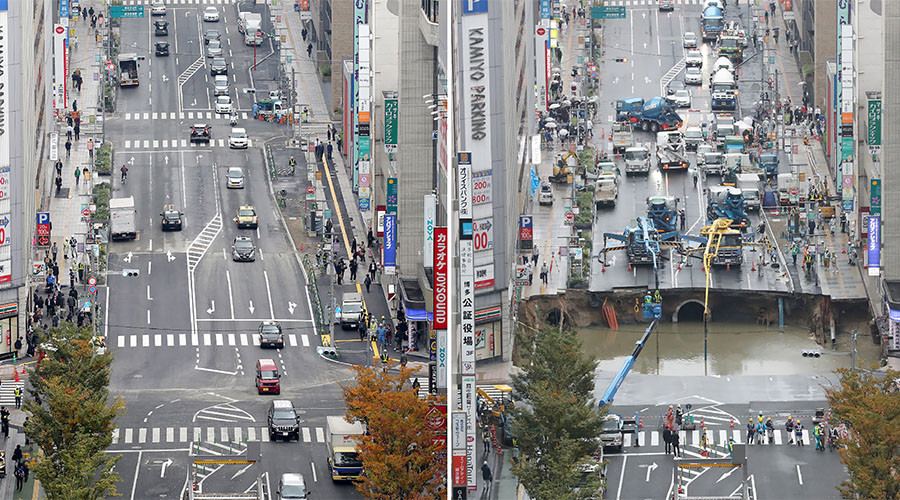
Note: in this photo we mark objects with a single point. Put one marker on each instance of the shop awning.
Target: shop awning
(418, 314)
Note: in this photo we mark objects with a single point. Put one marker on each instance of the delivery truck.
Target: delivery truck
(122, 218)
(343, 448)
(128, 70)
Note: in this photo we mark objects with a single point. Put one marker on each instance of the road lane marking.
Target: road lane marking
(292, 340)
(207, 339)
(230, 294)
(142, 435)
(231, 339)
(211, 434)
(182, 339)
(799, 475)
(170, 434)
(237, 434)
(307, 437)
(219, 338)
(264, 435)
(182, 434)
(243, 339)
(269, 294)
(305, 339)
(115, 436)
(251, 433)
(157, 338)
(320, 435)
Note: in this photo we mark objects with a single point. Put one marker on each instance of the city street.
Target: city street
(183, 328)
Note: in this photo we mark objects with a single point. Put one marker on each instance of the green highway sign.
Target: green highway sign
(608, 12)
(126, 11)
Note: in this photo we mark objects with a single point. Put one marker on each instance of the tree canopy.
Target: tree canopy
(402, 460)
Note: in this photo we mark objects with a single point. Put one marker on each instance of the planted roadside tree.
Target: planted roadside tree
(558, 428)
(73, 425)
(399, 453)
(869, 405)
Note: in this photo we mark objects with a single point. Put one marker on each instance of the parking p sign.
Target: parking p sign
(526, 232)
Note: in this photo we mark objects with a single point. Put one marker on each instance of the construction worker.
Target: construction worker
(657, 297)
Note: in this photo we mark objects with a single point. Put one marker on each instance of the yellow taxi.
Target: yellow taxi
(246, 217)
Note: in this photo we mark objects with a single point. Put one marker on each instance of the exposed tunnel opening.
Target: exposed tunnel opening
(553, 318)
(690, 312)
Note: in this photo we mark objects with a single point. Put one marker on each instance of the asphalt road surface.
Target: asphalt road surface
(651, 41)
(183, 330)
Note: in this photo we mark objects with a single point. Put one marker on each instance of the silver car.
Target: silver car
(689, 40)
(235, 178)
(693, 58)
(693, 76)
(214, 49)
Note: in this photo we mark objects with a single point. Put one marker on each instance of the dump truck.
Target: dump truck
(622, 137)
(749, 186)
(637, 159)
(343, 448)
(128, 70)
(606, 191)
(122, 218)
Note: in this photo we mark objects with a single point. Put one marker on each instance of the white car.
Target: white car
(157, 8)
(693, 58)
(545, 197)
(689, 40)
(235, 178)
(682, 98)
(211, 15)
(693, 76)
(238, 139)
(223, 104)
(220, 85)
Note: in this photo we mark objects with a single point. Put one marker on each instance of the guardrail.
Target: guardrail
(321, 319)
(270, 160)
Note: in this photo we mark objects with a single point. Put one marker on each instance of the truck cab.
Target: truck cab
(637, 160)
(622, 137)
(625, 107)
(351, 310)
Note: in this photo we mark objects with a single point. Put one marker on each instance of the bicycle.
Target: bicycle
(124, 174)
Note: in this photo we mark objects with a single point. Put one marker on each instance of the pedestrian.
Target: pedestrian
(20, 477)
(80, 272)
(77, 176)
(353, 267)
(767, 21)
(372, 269)
(54, 250)
(17, 454)
(676, 439)
(85, 175)
(328, 149)
(817, 432)
(18, 391)
(25, 466)
(798, 433)
(368, 282)
(770, 430)
(69, 131)
(353, 246)
(667, 438)
(486, 474)
(486, 441)
(18, 345)
(303, 33)
(544, 273)
(361, 328)
(751, 430)
(309, 50)
(90, 147)
(340, 142)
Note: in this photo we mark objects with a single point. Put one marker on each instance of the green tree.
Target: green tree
(558, 431)
(73, 425)
(870, 406)
(400, 456)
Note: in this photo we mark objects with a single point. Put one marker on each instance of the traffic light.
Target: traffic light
(811, 353)
(130, 272)
(622, 59)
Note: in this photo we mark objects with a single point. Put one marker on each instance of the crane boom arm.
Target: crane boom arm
(613, 388)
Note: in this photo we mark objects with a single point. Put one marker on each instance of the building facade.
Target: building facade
(330, 31)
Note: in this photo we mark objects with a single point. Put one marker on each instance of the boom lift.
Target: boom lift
(641, 243)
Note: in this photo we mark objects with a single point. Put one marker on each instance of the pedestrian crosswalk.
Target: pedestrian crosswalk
(181, 2)
(714, 437)
(176, 143)
(211, 435)
(7, 392)
(649, 3)
(184, 115)
(203, 339)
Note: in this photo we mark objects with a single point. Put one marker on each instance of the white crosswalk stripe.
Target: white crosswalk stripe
(8, 392)
(715, 438)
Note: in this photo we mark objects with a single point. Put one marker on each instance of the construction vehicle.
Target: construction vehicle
(712, 21)
(564, 168)
(612, 433)
(749, 186)
(654, 114)
(730, 46)
(128, 70)
(606, 192)
(769, 163)
(670, 151)
(723, 89)
(712, 162)
(642, 243)
(723, 127)
(786, 184)
(266, 107)
(250, 24)
(622, 137)
(725, 202)
(637, 159)
(721, 244)
(616, 382)
(663, 211)
(734, 144)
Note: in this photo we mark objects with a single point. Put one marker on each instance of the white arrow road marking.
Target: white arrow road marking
(166, 159)
(647, 79)
(251, 307)
(169, 256)
(728, 474)
(238, 473)
(650, 468)
(799, 475)
(195, 102)
(165, 463)
(212, 307)
(291, 307)
(131, 161)
(165, 78)
(128, 258)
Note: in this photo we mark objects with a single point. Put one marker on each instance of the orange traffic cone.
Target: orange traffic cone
(603, 134)
(752, 266)
(629, 267)
(16, 373)
(731, 423)
(728, 267)
(640, 422)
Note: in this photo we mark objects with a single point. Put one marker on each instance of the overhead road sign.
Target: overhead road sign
(126, 11)
(608, 12)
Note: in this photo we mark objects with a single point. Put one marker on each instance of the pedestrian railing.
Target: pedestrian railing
(270, 160)
(321, 319)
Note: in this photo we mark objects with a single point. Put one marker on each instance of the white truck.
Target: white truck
(343, 448)
(121, 218)
(786, 182)
(250, 24)
(749, 185)
(606, 191)
(622, 137)
(637, 159)
(351, 310)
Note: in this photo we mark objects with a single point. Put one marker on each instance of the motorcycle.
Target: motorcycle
(234, 118)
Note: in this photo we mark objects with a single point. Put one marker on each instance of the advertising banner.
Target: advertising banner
(391, 196)
(390, 244)
(428, 239)
(542, 69)
(360, 8)
(59, 59)
(875, 196)
(874, 250)
(441, 253)
(476, 80)
(391, 113)
(464, 189)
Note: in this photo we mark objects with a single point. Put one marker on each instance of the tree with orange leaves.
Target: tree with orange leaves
(401, 458)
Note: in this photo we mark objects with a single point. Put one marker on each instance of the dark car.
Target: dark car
(162, 48)
(283, 421)
(218, 66)
(211, 35)
(200, 133)
(243, 249)
(171, 219)
(161, 28)
(270, 334)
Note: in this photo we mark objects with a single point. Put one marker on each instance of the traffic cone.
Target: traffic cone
(731, 423)
(845, 249)
(640, 422)
(603, 134)
(16, 373)
(752, 265)
(629, 267)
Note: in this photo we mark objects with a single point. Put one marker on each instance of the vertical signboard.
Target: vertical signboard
(391, 200)
(873, 129)
(428, 243)
(542, 67)
(845, 101)
(526, 232)
(5, 123)
(360, 8)
(391, 113)
(365, 122)
(390, 244)
(441, 304)
(464, 176)
(874, 250)
(875, 197)
(467, 309)
(59, 63)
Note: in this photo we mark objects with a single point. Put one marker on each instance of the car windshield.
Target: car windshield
(293, 491)
(693, 133)
(215, 44)
(637, 155)
(223, 99)
(693, 71)
(172, 215)
(750, 195)
(352, 308)
(243, 245)
(347, 460)
(268, 374)
(235, 174)
(714, 157)
(213, 34)
(682, 94)
(729, 42)
(283, 415)
(270, 329)
(218, 62)
(246, 213)
(731, 240)
(239, 135)
(610, 425)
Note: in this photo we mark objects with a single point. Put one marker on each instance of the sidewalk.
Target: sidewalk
(843, 281)
(31, 489)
